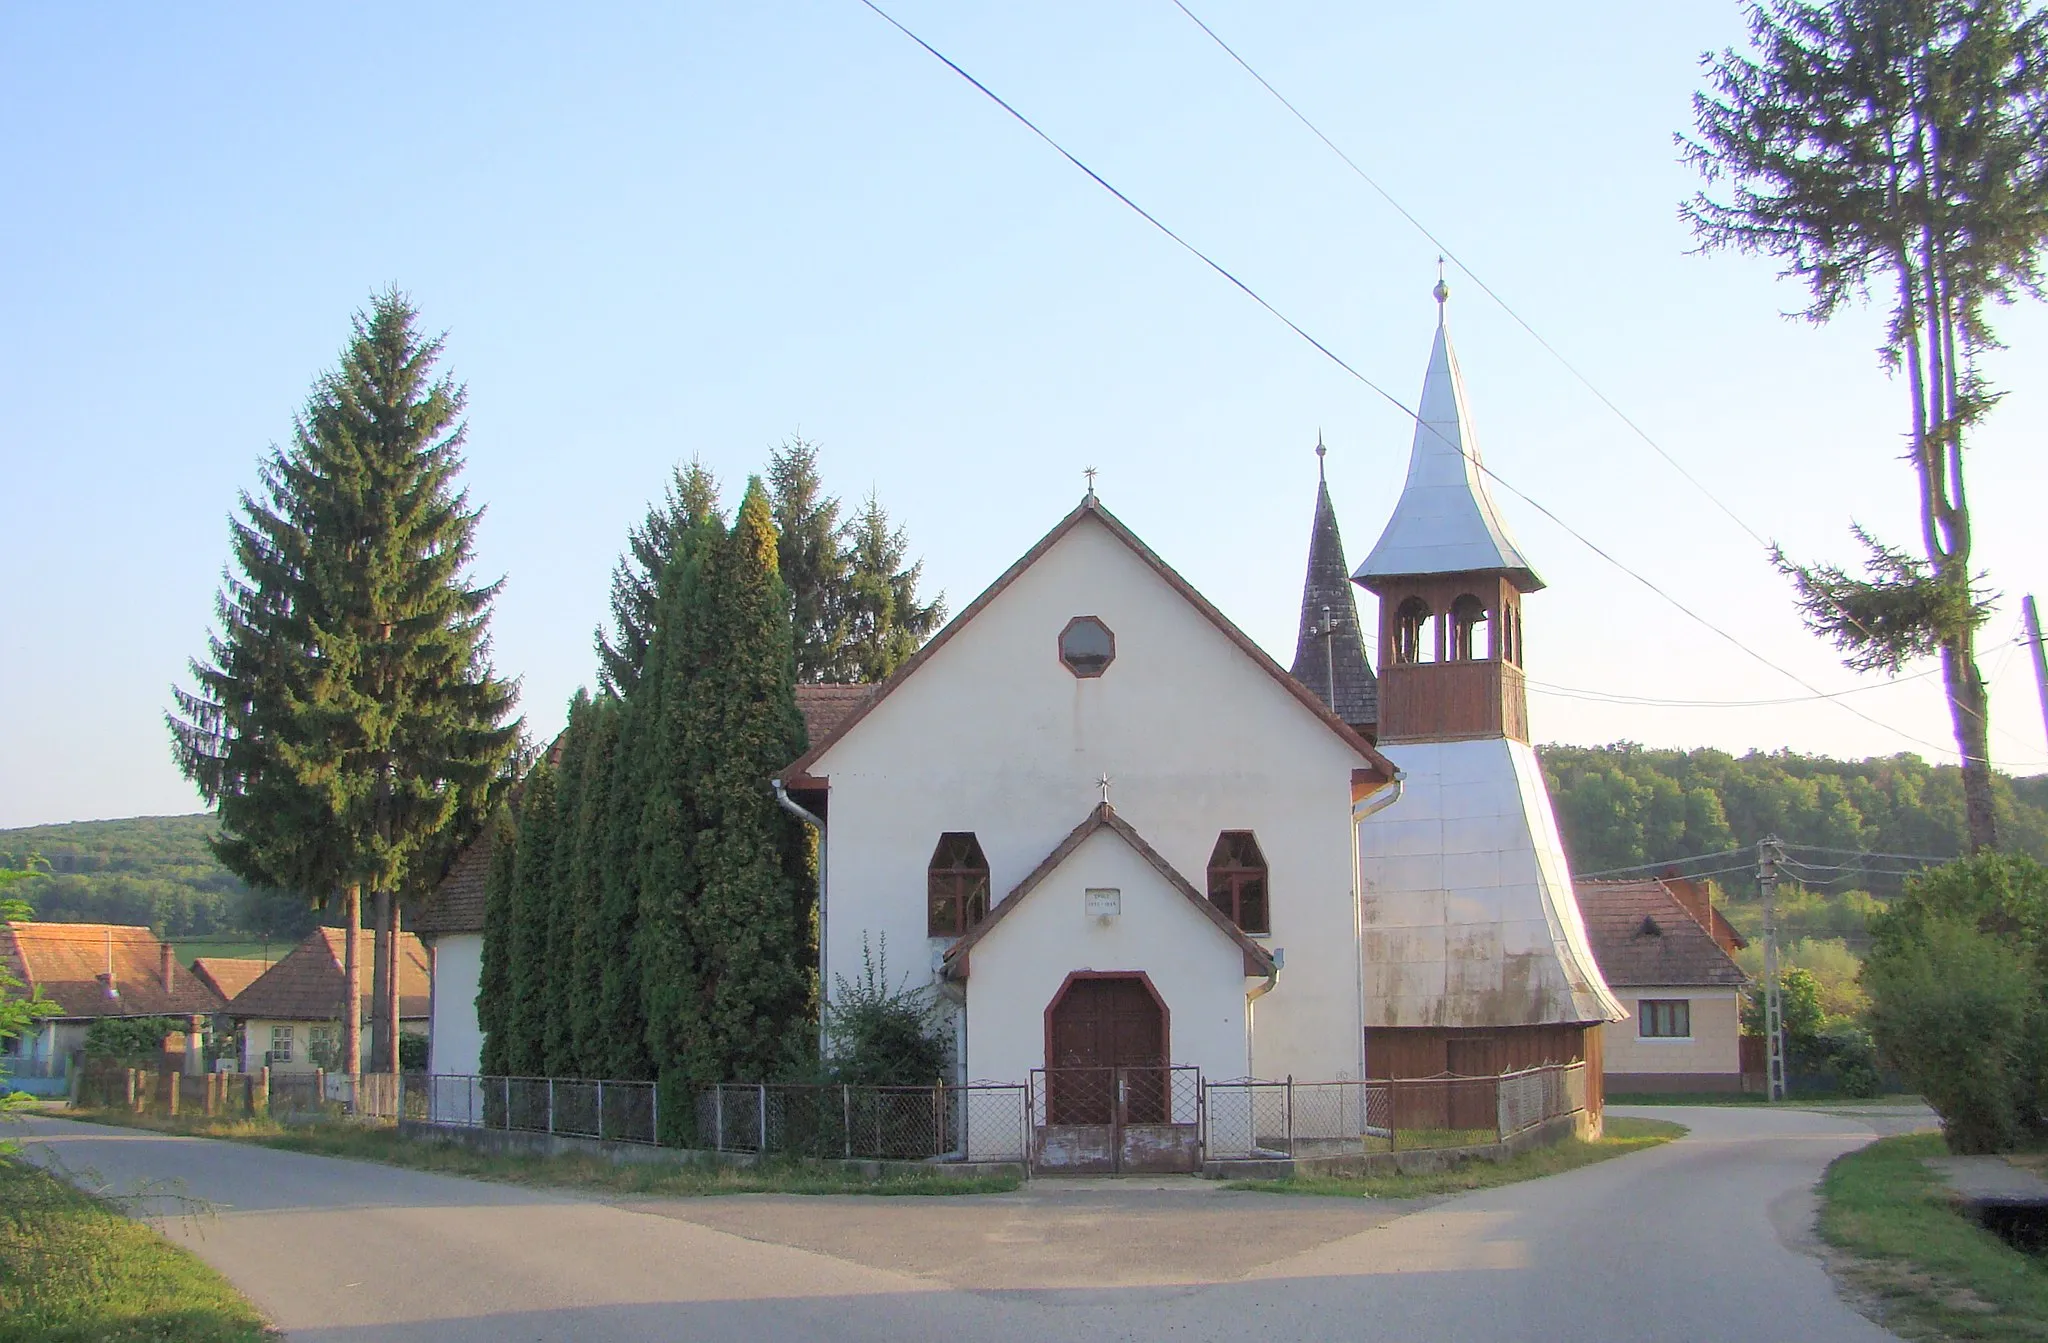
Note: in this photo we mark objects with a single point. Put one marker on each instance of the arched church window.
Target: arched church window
(1237, 881)
(1468, 614)
(956, 885)
(1514, 623)
(1087, 646)
(1411, 632)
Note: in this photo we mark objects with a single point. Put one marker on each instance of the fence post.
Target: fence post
(171, 1093)
(654, 1114)
(131, 1093)
(508, 1102)
(1393, 1114)
(1290, 1114)
(265, 1076)
(938, 1119)
(551, 1105)
(600, 1109)
(761, 1105)
(718, 1116)
(846, 1119)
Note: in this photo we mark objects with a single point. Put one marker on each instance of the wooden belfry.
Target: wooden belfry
(1450, 583)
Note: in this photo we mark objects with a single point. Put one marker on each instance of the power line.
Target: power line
(1616, 697)
(1382, 392)
(1472, 275)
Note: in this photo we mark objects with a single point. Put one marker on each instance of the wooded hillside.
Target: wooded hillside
(154, 870)
(1624, 804)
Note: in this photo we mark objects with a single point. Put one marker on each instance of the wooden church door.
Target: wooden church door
(1107, 1038)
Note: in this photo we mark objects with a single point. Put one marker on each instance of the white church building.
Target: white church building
(1118, 838)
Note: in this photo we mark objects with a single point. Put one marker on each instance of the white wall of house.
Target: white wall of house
(1468, 909)
(1019, 967)
(1713, 1047)
(994, 735)
(458, 1041)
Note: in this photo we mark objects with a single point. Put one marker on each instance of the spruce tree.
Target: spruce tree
(812, 560)
(750, 922)
(494, 978)
(347, 716)
(690, 499)
(526, 998)
(885, 622)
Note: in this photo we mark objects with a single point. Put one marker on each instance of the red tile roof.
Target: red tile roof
(458, 903)
(1642, 934)
(229, 975)
(308, 984)
(825, 707)
(71, 965)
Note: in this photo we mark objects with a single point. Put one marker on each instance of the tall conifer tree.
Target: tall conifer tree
(526, 996)
(750, 920)
(564, 895)
(348, 714)
(587, 1024)
(690, 499)
(811, 558)
(885, 622)
(494, 977)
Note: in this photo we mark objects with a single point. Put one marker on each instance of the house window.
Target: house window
(280, 1045)
(1664, 1018)
(1087, 646)
(1237, 881)
(320, 1043)
(956, 885)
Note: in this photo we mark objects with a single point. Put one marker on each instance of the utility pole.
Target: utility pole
(2033, 614)
(1330, 654)
(1767, 853)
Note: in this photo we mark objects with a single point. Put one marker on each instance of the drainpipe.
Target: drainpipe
(817, 823)
(1272, 979)
(1362, 811)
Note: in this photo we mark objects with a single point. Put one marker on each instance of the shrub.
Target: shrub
(876, 1035)
(129, 1041)
(1959, 1012)
(412, 1052)
(1846, 1055)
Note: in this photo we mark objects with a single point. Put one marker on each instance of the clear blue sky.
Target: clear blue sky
(670, 230)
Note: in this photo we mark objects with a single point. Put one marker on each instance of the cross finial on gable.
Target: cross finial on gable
(1090, 473)
(1103, 784)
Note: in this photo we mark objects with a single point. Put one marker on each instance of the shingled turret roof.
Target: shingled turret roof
(1333, 663)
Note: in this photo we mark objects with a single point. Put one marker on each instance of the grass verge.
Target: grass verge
(1622, 1137)
(1926, 1270)
(74, 1269)
(382, 1143)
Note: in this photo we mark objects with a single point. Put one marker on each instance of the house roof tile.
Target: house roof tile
(69, 963)
(229, 975)
(308, 984)
(1643, 934)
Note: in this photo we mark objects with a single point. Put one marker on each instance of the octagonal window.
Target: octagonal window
(1087, 646)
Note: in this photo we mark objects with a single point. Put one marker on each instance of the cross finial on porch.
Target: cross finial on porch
(1090, 473)
(1103, 784)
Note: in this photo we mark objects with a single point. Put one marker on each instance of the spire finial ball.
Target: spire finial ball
(1442, 291)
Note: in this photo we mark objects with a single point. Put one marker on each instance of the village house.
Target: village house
(290, 1017)
(94, 972)
(228, 975)
(1668, 954)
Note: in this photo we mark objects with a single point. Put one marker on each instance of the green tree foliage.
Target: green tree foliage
(690, 500)
(347, 717)
(584, 970)
(1895, 145)
(1615, 809)
(18, 1014)
(564, 894)
(879, 1034)
(494, 976)
(158, 871)
(812, 559)
(528, 968)
(131, 1041)
(884, 620)
(1958, 982)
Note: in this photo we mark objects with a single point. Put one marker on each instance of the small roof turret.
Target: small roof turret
(1445, 522)
(1329, 650)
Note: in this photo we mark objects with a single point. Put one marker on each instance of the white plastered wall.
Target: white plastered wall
(1018, 969)
(457, 1041)
(994, 735)
(1468, 910)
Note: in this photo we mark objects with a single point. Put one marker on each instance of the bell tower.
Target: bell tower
(1450, 582)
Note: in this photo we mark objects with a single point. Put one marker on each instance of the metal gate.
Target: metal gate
(1133, 1119)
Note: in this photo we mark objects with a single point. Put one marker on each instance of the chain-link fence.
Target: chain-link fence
(1248, 1119)
(571, 1107)
(980, 1122)
(1129, 1094)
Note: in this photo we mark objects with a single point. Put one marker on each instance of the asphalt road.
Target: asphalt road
(1700, 1240)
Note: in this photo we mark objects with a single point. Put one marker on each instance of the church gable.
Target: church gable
(1090, 617)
